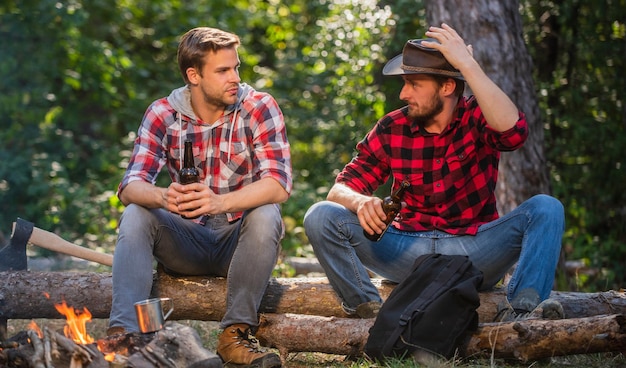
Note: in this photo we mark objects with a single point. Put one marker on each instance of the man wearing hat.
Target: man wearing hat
(447, 146)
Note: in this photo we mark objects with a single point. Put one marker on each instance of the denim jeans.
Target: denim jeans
(244, 251)
(530, 235)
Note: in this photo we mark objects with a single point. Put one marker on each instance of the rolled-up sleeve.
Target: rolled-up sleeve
(272, 147)
(149, 154)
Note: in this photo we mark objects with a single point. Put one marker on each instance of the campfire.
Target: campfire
(41, 347)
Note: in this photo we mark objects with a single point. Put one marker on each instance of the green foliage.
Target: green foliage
(78, 75)
(83, 72)
(52, 167)
(581, 98)
(322, 72)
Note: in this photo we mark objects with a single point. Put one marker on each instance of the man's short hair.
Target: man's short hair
(197, 42)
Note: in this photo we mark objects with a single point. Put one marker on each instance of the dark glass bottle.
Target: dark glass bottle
(189, 172)
(392, 206)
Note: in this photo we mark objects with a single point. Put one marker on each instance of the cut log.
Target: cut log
(28, 294)
(304, 265)
(176, 345)
(524, 340)
(330, 335)
(536, 339)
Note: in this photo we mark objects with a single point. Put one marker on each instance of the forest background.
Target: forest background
(76, 77)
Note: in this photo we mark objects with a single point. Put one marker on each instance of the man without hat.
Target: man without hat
(448, 147)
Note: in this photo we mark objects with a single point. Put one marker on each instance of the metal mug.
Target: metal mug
(151, 315)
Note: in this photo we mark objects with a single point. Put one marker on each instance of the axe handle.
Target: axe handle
(51, 241)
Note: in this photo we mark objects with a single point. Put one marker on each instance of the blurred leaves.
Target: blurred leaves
(82, 73)
(580, 51)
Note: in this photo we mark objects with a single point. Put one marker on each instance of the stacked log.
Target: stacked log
(294, 309)
(524, 340)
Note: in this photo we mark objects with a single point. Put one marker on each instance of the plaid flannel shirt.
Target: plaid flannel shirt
(453, 174)
(257, 149)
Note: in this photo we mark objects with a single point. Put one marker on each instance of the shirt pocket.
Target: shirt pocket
(462, 166)
(417, 191)
(235, 162)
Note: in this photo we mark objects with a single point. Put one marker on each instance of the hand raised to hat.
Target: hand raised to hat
(451, 45)
(500, 112)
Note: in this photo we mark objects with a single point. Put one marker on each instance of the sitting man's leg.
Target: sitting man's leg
(530, 235)
(142, 232)
(334, 232)
(533, 279)
(255, 254)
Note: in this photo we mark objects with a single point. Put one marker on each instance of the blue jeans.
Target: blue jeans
(244, 251)
(530, 235)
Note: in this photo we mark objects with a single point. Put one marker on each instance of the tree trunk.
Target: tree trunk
(524, 340)
(28, 294)
(494, 29)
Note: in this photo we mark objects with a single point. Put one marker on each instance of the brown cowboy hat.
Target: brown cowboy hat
(418, 59)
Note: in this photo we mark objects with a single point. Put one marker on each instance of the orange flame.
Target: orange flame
(75, 325)
(33, 326)
(109, 357)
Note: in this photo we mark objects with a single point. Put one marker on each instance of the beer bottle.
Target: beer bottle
(189, 172)
(392, 206)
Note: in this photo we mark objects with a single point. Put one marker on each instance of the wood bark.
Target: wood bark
(525, 340)
(494, 29)
(176, 345)
(28, 294)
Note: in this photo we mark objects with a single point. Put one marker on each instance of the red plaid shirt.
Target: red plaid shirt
(453, 174)
(258, 147)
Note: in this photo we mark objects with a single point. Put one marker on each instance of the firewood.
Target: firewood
(37, 359)
(76, 363)
(80, 355)
(77, 352)
(176, 345)
(54, 347)
(524, 340)
(48, 347)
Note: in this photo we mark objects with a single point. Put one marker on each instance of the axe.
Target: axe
(13, 256)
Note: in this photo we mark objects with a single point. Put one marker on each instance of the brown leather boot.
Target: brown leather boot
(239, 348)
(116, 330)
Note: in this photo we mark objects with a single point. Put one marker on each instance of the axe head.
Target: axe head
(13, 256)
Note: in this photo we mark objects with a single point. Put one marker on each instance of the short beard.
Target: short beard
(210, 100)
(423, 118)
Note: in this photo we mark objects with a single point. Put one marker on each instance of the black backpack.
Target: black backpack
(433, 309)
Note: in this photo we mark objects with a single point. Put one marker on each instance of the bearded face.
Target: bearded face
(425, 111)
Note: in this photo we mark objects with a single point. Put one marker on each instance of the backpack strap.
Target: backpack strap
(448, 274)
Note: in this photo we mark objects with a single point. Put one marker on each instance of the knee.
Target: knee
(548, 208)
(547, 205)
(318, 214)
(266, 221)
(134, 216)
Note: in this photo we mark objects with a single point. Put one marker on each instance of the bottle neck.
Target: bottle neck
(188, 156)
(397, 195)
